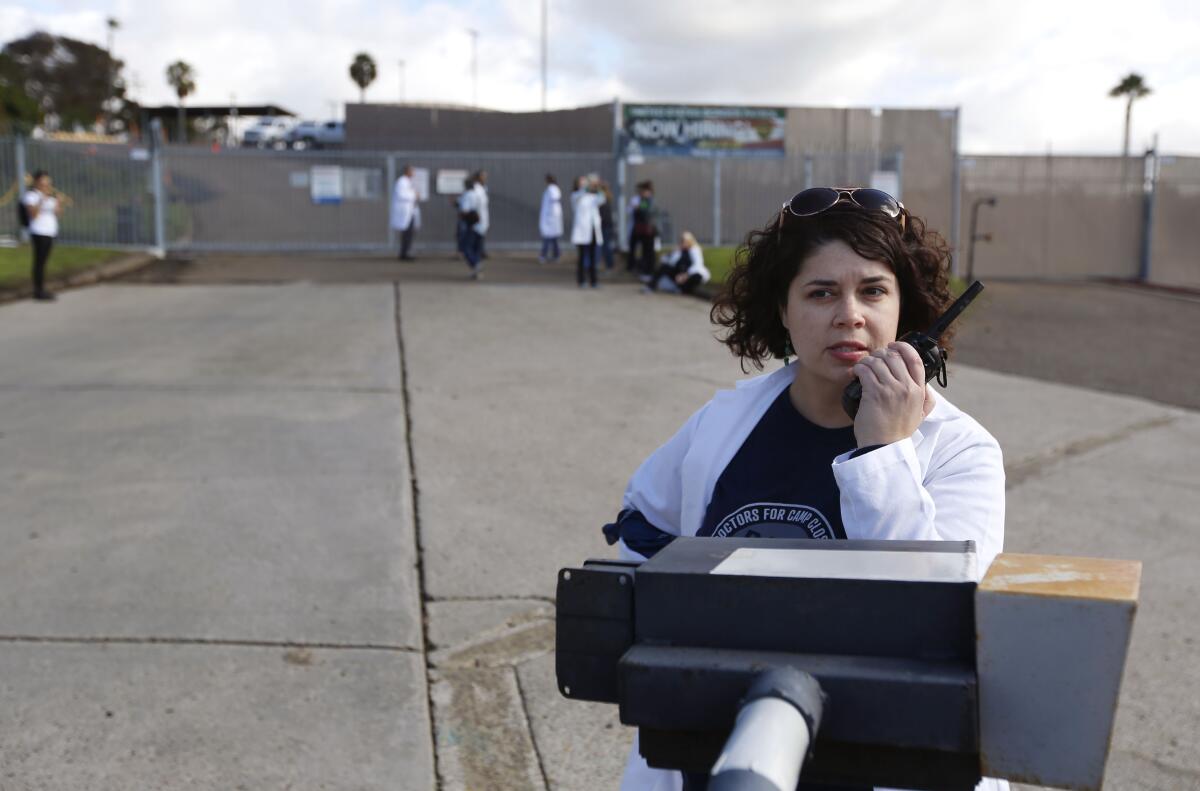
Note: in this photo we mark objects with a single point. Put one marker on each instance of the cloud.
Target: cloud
(1026, 74)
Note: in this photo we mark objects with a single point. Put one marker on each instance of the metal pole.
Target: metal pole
(971, 242)
(474, 67)
(989, 201)
(402, 86)
(1149, 190)
(955, 198)
(22, 171)
(156, 184)
(389, 198)
(545, 13)
(716, 241)
(808, 171)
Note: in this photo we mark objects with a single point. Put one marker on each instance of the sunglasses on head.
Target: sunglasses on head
(810, 202)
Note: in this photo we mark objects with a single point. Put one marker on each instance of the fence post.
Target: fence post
(156, 185)
(1149, 189)
(388, 190)
(19, 157)
(620, 210)
(956, 201)
(716, 241)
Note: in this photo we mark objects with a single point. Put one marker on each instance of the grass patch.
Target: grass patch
(719, 261)
(16, 263)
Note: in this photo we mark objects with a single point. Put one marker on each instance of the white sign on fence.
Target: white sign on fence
(325, 184)
(451, 182)
(420, 179)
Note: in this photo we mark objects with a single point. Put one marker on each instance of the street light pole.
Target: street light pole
(987, 237)
(402, 80)
(113, 24)
(474, 66)
(545, 12)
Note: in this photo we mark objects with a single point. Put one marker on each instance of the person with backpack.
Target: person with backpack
(644, 231)
(42, 208)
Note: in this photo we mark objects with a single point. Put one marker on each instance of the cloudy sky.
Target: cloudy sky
(1028, 74)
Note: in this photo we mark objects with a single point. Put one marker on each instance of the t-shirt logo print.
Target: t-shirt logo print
(774, 520)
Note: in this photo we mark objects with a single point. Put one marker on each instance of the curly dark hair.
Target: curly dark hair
(748, 307)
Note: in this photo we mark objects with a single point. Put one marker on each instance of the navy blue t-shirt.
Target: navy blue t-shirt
(780, 483)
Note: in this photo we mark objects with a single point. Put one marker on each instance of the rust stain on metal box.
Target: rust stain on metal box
(1050, 575)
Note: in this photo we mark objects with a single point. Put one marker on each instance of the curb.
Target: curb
(117, 267)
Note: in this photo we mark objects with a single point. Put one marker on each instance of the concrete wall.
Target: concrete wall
(390, 127)
(1055, 217)
(926, 138)
(1175, 245)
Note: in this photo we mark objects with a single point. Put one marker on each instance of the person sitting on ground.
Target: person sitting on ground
(683, 269)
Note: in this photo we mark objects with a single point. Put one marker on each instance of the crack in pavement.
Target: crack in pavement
(213, 641)
(1029, 467)
(415, 492)
(537, 751)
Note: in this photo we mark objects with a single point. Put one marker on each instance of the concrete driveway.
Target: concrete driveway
(305, 534)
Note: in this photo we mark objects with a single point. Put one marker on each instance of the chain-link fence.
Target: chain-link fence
(265, 200)
(720, 200)
(107, 193)
(1054, 217)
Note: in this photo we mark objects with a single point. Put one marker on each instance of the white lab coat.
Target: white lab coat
(550, 221)
(405, 208)
(476, 199)
(585, 224)
(946, 482)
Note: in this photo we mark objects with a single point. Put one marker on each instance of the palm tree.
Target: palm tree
(1132, 86)
(363, 72)
(182, 78)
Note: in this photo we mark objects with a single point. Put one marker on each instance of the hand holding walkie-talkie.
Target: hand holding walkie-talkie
(933, 357)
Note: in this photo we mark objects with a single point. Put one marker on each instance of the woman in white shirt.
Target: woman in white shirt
(682, 270)
(550, 220)
(44, 208)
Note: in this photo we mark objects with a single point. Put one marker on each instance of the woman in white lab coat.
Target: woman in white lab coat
(550, 221)
(406, 213)
(586, 233)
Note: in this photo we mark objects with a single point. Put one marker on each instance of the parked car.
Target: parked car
(269, 132)
(315, 134)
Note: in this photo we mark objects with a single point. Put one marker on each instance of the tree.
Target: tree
(363, 72)
(71, 83)
(1132, 87)
(18, 111)
(182, 78)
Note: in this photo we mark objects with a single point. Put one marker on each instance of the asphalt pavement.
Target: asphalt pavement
(295, 523)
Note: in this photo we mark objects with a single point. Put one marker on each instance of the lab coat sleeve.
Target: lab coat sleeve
(656, 488)
(885, 495)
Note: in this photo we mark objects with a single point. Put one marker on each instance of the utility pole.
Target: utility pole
(402, 80)
(474, 66)
(113, 24)
(545, 12)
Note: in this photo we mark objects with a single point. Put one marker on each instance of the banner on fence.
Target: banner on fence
(689, 131)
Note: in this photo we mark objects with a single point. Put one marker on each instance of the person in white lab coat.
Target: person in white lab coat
(586, 231)
(473, 212)
(550, 220)
(831, 284)
(406, 211)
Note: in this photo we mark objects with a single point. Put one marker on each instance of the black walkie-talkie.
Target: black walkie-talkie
(926, 344)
